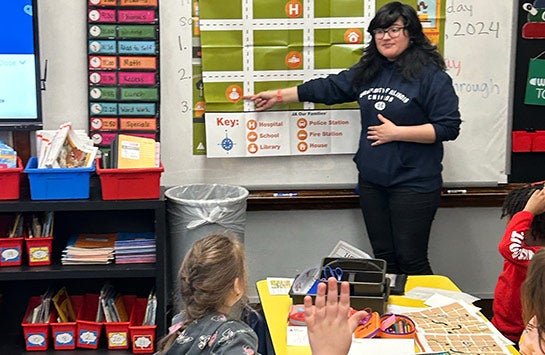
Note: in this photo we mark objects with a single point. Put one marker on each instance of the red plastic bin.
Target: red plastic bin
(64, 333)
(130, 184)
(142, 336)
(11, 251)
(117, 333)
(88, 331)
(39, 250)
(36, 334)
(10, 180)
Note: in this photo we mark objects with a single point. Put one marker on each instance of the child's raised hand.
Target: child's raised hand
(536, 203)
(328, 323)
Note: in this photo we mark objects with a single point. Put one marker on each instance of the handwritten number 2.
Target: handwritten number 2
(183, 75)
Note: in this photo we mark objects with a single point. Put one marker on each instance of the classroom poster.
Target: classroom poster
(250, 46)
(535, 91)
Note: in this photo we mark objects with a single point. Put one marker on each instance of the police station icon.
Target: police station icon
(534, 28)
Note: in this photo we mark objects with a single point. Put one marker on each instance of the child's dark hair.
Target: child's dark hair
(207, 275)
(516, 200)
(533, 295)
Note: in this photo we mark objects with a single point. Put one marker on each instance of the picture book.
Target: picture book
(95, 240)
(135, 152)
(64, 307)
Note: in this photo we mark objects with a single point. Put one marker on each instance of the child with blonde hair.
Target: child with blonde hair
(532, 341)
(212, 279)
(524, 236)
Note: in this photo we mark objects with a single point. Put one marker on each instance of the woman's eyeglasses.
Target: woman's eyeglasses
(393, 32)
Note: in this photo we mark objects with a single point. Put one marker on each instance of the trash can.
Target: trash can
(197, 210)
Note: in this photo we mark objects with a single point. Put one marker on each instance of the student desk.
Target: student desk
(276, 309)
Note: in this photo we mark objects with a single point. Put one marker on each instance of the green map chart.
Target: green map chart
(250, 46)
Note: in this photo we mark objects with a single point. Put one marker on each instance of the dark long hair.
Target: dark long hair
(419, 53)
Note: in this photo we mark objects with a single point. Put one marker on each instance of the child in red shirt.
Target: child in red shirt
(524, 236)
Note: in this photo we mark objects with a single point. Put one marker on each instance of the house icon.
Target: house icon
(353, 36)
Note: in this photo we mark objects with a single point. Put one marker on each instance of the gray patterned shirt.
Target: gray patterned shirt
(215, 334)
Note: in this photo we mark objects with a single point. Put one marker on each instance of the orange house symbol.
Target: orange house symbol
(353, 36)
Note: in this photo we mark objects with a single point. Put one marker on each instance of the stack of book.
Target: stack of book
(89, 249)
(133, 248)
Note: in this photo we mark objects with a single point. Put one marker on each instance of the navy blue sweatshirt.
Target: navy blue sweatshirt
(428, 99)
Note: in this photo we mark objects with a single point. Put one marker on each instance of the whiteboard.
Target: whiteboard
(478, 49)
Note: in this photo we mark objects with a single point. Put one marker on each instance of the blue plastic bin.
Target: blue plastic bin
(58, 183)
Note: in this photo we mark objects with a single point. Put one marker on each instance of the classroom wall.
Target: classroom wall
(279, 243)
(463, 243)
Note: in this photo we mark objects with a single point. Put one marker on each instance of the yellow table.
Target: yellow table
(276, 309)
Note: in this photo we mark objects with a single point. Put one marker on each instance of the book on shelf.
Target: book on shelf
(76, 152)
(41, 312)
(112, 306)
(129, 151)
(135, 248)
(89, 249)
(95, 240)
(64, 306)
(40, 226)
(151, 309)
(17, 228)
(64, 148)
(8, 156)
(51, 149)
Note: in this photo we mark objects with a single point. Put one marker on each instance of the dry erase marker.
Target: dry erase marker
(285, 194)
(457, 191)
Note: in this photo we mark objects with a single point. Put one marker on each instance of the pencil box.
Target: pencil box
(399, 326)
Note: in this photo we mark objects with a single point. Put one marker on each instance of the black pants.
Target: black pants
(398, 222)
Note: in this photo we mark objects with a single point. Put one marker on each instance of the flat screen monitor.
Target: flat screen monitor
(20, 85)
